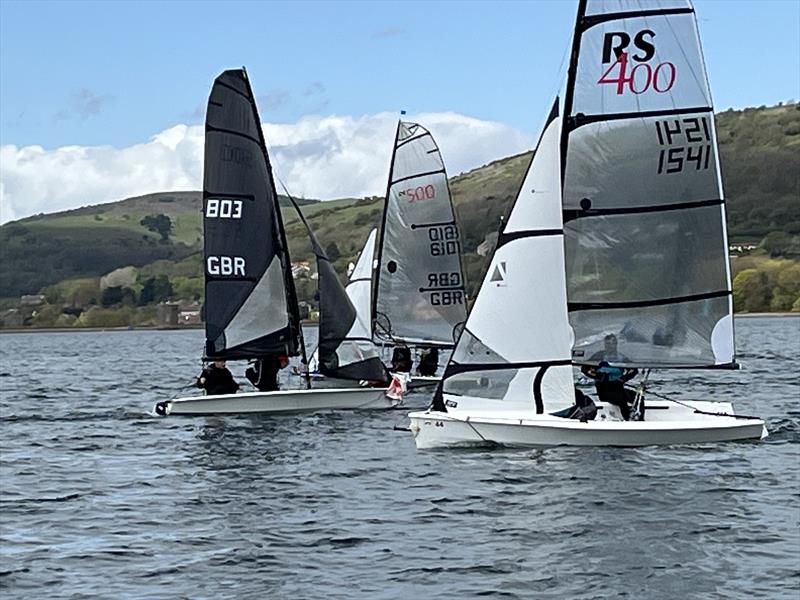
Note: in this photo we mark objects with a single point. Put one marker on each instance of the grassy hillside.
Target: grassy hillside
(760, 150)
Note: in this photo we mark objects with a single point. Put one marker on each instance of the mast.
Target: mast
(381, 234)
(291, 293)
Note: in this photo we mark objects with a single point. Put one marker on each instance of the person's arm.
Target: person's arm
(201, 380)
(629, 374)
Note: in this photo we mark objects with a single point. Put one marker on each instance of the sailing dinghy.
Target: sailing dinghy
(250, 302)
(618, 228)
(418, 296)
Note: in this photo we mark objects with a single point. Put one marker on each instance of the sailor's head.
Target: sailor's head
(220, 364)
(610, 343)
(283, 360)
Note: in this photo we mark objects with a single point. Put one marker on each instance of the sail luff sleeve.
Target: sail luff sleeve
(245, 302)
(644, 212)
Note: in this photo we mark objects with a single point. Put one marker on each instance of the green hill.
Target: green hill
(161, 233)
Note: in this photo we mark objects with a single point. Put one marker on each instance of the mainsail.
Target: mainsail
(515, 347)
(644, 213)
(250, 304)
(419, 293)
(345, 350)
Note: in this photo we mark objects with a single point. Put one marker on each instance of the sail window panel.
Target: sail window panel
(601, 7)
(642, 162)
(421, 288)
(538, 204)
(263, 312)
(415, 156)
(520, 312)
(696, 333)
(640, 64)
(646, 256)
(544, 389)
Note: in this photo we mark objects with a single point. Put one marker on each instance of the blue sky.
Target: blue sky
(118, 72)
(104, 100)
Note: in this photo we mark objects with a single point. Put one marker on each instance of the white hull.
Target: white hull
(283, 401)
(667, 423)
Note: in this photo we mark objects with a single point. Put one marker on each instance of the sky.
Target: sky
(104, 100)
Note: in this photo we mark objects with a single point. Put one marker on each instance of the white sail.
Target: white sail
(419, 293)
(644, 208)
(359, 289)
(514, 351)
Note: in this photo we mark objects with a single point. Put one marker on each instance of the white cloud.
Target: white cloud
(317, 157)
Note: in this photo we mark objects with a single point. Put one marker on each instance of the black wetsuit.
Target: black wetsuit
(401, 360)
(217, 381)
(264, 374)
(429, 363)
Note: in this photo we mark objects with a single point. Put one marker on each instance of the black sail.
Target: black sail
(343, 350)
(251, 308)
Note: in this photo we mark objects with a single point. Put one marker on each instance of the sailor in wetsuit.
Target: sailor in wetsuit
(429, 362)
(401, 360)
(610, 381)
(216, 379)
(263, 373)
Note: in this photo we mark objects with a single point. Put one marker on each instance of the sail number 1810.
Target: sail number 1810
(443, 240)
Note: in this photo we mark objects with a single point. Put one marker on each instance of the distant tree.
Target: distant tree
(332, 250)
(117, 295)
(155, 289)
(160, 224)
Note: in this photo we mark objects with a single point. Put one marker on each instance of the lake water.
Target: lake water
(100, 499)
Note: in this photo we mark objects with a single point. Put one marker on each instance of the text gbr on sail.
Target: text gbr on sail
(225, 266)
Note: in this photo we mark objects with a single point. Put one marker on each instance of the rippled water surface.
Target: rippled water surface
(102, 499)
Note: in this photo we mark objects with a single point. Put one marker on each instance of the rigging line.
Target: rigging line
(478, 433)
(696, 410)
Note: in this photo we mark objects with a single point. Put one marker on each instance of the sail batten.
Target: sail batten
(251, 310)
(644, 210)
(419, 294)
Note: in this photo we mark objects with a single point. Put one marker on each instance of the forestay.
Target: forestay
(250, 303)
(345, 350)
(419, 295)
(644, 214)
(514, 351)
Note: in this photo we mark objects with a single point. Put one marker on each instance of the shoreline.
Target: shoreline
(116, 329)
(304, 324)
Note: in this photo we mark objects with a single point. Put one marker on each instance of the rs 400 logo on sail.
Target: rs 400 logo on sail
(641, 76)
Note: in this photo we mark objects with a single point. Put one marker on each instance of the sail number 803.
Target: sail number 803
(219, 208)
(443, 240)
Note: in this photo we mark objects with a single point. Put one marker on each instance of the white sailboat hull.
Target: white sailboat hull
(282, 401)
(666, 424)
